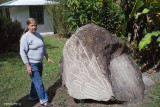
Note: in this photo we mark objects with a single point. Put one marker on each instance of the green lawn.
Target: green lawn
(15, 82)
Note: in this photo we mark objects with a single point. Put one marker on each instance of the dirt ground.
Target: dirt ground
(59, 97)
(62, 99)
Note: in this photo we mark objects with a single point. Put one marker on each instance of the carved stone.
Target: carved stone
(92, 68)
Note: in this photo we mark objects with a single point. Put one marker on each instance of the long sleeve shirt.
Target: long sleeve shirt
(32, 48)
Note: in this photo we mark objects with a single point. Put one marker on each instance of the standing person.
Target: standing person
(32, 51)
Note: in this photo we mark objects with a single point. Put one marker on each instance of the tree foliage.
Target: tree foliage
(58, 15)
(101, 12)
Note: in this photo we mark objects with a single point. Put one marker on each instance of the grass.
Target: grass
(15, 82)
(155, 96)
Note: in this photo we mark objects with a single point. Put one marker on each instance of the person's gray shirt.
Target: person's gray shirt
(32, 48)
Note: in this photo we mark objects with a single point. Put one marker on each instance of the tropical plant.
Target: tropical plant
(147, 39)
(141, 28)
(153, 18)
(150, 42)
(129, 10)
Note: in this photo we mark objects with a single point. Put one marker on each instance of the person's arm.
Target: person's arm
(46, 54)
(48, 59)
(24, 49)
(23, 53)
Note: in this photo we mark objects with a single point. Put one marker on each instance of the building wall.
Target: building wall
(22, 14)
(19, 13)
(47, 24)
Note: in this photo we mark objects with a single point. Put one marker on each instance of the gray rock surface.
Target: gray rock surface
(147, 80)
(126, 79)
(94, 66)
(155, 77)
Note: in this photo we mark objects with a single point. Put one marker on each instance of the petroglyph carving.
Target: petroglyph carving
(95, 65)
(88, 78)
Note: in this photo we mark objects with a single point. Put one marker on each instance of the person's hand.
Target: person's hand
(49, 60)
(29, 69)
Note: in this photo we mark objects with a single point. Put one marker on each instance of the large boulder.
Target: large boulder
(95, 65)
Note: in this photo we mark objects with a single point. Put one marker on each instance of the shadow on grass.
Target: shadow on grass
(52, 90)
(24, 102)
(48, 46)
(6, 56)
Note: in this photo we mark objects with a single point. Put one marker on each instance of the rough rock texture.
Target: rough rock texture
(94, 66)
(126, 79)
(147, 80)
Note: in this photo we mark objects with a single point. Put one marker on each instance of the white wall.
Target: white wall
(22, 14)
(19, 13)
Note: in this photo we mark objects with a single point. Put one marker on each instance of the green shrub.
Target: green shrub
(10, 34)
(112, 17)
(104, 13)
(82, 12)
(69, 15)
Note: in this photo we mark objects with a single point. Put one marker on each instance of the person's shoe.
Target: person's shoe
(46, 104)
